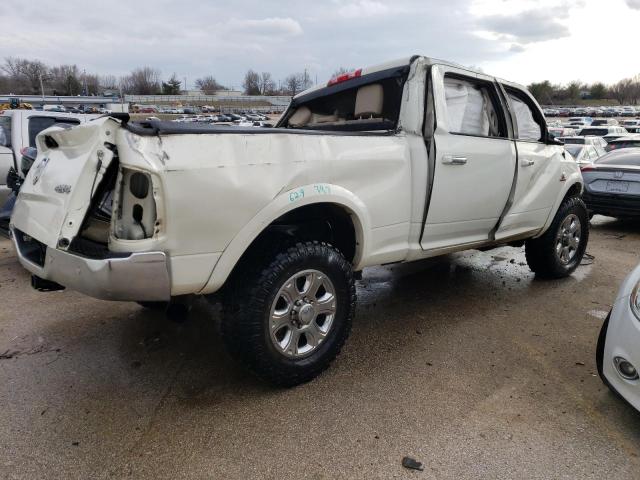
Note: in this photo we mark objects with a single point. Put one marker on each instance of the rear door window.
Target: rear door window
(473, 108)
(38, 124)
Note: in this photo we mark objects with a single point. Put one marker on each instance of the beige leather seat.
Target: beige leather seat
(300, 117)
(369, 102)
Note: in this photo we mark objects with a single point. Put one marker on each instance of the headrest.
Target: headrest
(369, 101)
(300, 117)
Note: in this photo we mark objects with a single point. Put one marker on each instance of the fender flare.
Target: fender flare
(285, 202)
(572, 178)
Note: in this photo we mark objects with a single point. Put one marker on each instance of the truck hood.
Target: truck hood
(58, 189)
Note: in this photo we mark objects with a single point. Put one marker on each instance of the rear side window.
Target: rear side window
(527, 126)
(472, 108)
(38, 124)
(5, 131)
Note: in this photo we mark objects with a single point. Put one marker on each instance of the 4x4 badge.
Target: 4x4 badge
(39, 169)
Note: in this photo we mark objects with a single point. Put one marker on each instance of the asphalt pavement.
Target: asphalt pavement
(466, 363)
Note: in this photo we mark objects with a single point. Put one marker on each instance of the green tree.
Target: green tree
(543, 92)
(573, 90)
(598, 90)
(171, 86)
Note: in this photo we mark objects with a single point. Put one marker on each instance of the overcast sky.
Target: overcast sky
(520, 40)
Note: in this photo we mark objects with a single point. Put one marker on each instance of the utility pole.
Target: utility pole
(41, 88)
(84, 83)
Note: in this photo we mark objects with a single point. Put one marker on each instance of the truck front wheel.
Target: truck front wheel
(559, 251)
(289, 319)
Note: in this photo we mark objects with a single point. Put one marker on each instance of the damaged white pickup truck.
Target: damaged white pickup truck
(393, 163)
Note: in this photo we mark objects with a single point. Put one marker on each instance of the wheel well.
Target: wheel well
(575, 190)
(325, 222)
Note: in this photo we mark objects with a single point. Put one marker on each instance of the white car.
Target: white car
(618, 350)
(603, 130)
(598, 142)
(392, 163)
(583, 154)
(19, 128)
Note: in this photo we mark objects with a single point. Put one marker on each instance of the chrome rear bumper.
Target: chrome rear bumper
(134, 277)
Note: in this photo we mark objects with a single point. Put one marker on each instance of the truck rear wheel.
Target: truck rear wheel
(289, 319)
(559, 251)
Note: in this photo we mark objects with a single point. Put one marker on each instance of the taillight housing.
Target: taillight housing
(344, 77)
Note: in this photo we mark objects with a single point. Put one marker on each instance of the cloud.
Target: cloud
(527, 27)
(517, 48)
(635, 4)
(363, 9)
(266, 27)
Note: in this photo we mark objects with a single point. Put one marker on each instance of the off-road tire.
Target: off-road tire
(541, 252)
(247, 303)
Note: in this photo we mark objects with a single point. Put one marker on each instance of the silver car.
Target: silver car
(612, 184)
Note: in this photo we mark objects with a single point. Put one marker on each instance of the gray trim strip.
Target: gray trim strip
(511, 131)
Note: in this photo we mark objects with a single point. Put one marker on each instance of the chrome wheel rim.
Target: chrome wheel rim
(302, 313)
(568, 239)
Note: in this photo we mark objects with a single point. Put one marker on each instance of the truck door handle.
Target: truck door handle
(453, 160)
(527, 163)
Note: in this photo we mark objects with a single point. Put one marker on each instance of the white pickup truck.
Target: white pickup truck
(392, 163)
(18, 129)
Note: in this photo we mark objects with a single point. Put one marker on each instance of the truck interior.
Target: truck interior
(364, 107)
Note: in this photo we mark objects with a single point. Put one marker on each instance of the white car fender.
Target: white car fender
(570, 177)
(285, 202)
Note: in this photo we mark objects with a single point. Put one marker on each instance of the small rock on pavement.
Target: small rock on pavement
(411, 463)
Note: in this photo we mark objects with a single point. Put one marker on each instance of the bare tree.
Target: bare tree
(65, 80)
(26, 75)
(267, 84)
(108, 82)
(92, 83)
(251, 83)
(296, 83)
(208, 85)
(141, 81)
(622, 91)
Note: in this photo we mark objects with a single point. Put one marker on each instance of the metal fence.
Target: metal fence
(204, 99)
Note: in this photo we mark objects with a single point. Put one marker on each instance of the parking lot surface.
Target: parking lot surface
(466, 363)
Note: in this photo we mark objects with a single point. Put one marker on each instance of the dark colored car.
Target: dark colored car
(612, 184)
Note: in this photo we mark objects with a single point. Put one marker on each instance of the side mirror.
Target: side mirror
(550, 139)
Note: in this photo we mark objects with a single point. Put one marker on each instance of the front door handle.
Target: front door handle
(527, 163)
(454, 160)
